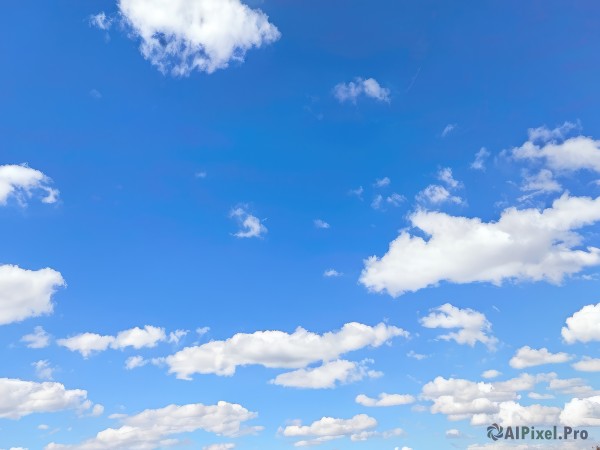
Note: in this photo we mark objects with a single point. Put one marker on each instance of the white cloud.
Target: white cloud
(445, 175)
(227, 446)
(382, 182)
(321, 224)
(541, 182)
(581, 412)
(436, 194)
(326, 376)
(385, 400)
(329, 428)
(329, 273)
(43, 370)
(180, 36)
(395, 199)
(88, 343)
(22, 182)
(550, 147)
(529, 357)
(480, 157)
(525, 244)
(353, 90)
(250, 226)
(587, 364)
(536, 396)
(377, 200)
(155, 428)
(448, 129)
(101, 21)
(20, 398)
(278, 349)
(453, 433)
(473, 325)
(177, 335)
(358, 192)
(489, 374)
(26, 293)
(38, 339)
(133, 362)
(583, 325)
(572, 386)
(417, 356)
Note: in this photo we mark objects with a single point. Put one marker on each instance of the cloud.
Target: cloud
(448, 129)
(525, 244)
(101, 21)
(20, 398)
(358, 192)
(321, 224)
(417, 356)
(489, 374)
(354, 89)
(536, 396)
(529, 357)
(329, 428)
(473, 325)
(454, 434)
(228, 446)
(382, 182)
(38, 339)
(480, 157)
(278, 349)
(581, 412)
(155, 428)
(26, 293)
(87, 343)
(541, 182)
(133, 362)
(558, 153)
(43, 370)
(250, 226)
(384, 400)
(587, 364)
(21, 183)
(445, 175)
(329, 273)
(180, 36)
(583, 325)
(437, 194)
(326, 376)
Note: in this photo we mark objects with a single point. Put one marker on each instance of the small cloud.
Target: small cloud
(454, 434)
(321, 224)
(202, 331)
(101, 21)
(382, 182)
(38, 339)
(43, 370)
(201, 174)
(417, 356)
(448, 129)
(176, 336)
(134, 362)
(250, 226)
(353, 90)
(95, 94)
(329, 273)
(377, 200)
(489, 374)
(395, 199)
(480, 157)
(358, 192)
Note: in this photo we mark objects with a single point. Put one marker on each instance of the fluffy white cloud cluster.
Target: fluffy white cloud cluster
(19, 398)
(38, 339)
(26, 293)
(526, 244)
(385, 400)
(326, 376)
(472, 325)
(250, 226)
(21, 182)
(278, 349)
(154, 428)
(583, 325)
(180, 36)
(587, 364)
(581, 412)
(354, 89)
(530, 357)
(436, 194)
(88, 343)
(329, 428)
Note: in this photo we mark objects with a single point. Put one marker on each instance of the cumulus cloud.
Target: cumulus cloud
(437, 194)
(525, 244)
(529, 357)
(38, 339)
(278, 349)
(21, 183)
(155, 428)
(541, 182)
(581, 412)
(26, 293)
(384, 400)
(20, 398)
(354, 89)
(180, 36)
(326, 376)
(480, 158)
(583, 325)
(472, 325)
(329, 428)
(587, 364)
(489, 374)
(88, 343)
(321, 224)
(250, 226)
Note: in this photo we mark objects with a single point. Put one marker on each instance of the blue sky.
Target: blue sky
(269, 224)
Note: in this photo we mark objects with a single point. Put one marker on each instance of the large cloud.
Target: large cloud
(278, 349)
(155, 428)
(21, 182)
(180, 36)
(583, 326)
(525, 244)
(19, 398)
(582, 412)
(26, 293)
(530, 357)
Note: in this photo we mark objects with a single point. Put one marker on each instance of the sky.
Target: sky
(260, 225)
